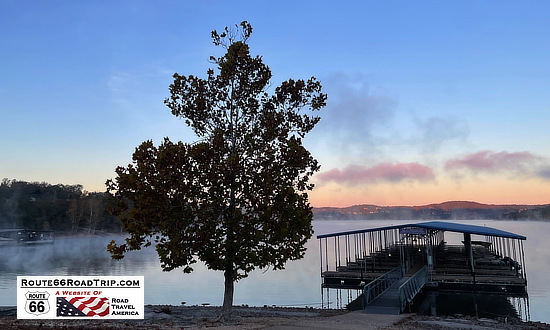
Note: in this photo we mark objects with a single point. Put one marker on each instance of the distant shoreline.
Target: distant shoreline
(453, 210)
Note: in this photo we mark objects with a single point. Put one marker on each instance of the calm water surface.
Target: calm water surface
(298, 285)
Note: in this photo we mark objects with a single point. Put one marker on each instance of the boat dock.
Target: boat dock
(24, 237)
(390, 265)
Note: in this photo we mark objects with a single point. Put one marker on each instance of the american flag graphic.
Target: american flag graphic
(82, 306)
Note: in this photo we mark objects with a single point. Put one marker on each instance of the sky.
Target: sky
(428, 101)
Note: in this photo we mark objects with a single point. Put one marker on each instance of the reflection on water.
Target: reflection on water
(298, 285)
(480, 305)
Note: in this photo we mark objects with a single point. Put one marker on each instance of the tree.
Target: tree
(237, 198)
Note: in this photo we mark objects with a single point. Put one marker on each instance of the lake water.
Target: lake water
(298, 285)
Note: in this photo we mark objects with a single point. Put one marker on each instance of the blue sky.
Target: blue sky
(428, 100)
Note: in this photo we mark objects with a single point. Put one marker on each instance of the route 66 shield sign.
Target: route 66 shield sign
(37, 302)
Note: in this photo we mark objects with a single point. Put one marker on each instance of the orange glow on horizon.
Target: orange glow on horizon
(528, 192)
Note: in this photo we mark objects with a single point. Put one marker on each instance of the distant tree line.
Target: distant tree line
(410, 213)
(538, 213)
(65, 208)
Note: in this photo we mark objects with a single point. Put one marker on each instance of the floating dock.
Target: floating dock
(24, 237)
(402, 260)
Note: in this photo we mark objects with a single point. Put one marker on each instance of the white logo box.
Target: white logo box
(80, 297)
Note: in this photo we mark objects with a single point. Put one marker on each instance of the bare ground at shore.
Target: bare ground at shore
(198, 317)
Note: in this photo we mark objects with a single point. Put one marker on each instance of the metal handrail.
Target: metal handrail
(382, 283)
(409, 289)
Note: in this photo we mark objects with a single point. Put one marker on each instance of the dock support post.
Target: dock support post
(468, 245)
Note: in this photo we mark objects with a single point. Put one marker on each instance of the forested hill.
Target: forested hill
(459, 210)
(64, 208)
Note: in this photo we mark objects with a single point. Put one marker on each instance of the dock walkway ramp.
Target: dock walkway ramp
(394, 300)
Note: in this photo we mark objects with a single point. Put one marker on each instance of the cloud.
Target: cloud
(122, 85)
(362, 118)
(385, 172)
(545, 173)
(489, 161)
(435, 131)
(353, 112)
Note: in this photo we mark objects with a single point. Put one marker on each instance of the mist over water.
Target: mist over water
(69, 255)
(79, 256)
(298, 285)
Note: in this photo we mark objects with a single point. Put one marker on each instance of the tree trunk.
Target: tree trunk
(227, 306)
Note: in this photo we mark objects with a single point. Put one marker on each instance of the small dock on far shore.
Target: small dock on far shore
(391, 265)
(25, 237)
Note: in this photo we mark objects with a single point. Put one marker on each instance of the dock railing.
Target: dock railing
(378, 286)
(409, 289)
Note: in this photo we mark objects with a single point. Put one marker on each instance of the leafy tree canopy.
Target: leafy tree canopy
(237, 198)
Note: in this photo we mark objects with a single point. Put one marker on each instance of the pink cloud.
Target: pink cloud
(356, 174)
(492, 161)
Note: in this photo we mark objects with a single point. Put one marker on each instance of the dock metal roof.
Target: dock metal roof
(439, 225)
